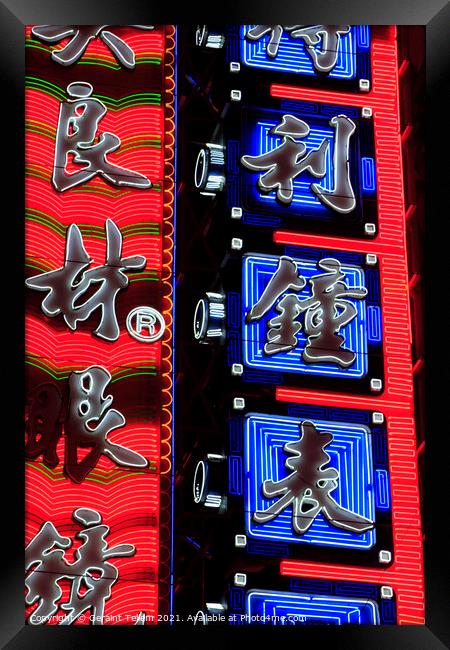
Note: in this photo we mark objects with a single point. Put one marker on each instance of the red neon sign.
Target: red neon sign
(133, 502)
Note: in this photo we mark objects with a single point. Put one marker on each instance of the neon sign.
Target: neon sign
(280, 608)
(396, 402)
(274, 514)
(307, 165)
(336, 52)
(99, 241)
(331, 340)
(288, 160)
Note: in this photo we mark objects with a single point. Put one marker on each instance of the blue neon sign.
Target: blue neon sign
(350, 454)
(258, 146)
(292, 55)
(285, 608)
(257, 272)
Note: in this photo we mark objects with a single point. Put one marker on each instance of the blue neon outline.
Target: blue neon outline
(382, 489)
(363, 37)
(293, 604)
(368, 174)
(374, 324)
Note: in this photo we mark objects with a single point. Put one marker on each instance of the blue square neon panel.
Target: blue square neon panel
(257, 272)
(285, 608)
(292, 55)
(350, 453)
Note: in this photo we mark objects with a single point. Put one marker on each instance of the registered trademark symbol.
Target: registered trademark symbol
(145, 324)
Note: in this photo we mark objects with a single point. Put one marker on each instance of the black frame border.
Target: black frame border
(14, 14)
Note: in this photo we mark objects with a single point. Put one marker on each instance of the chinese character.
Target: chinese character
(77, 127)
(308, 487)
(87, 404)
(84, 407)
(275, 31)
(290, 159)
(323, 60)
(44, 424)
(326, 312)
(65, 287)
(80, 36)
(91, 576)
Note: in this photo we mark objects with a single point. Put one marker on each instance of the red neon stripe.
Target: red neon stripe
(396, 402)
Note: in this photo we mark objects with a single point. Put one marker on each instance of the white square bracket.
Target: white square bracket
(377, 417)
(215, 608)
(236, 213)
(240, 579)
(364, 85)
(236, 244)
(386, 592)
(384, 557)
(235, 67)
(366, 112)
(371, 259)
(237, 369)
(235, 95)
(239, 403)
(370, 228)
(240, 541)
(376, 385)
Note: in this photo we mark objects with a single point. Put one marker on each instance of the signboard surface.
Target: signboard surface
(99, 239)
